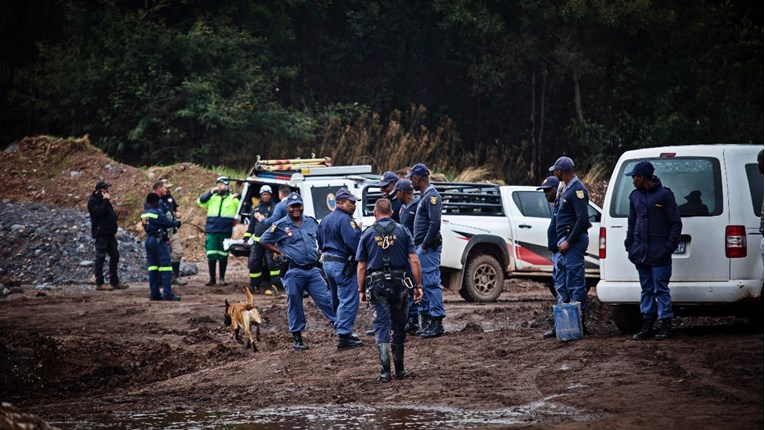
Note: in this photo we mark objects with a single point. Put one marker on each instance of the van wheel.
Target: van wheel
(627, 318)
(484, 279)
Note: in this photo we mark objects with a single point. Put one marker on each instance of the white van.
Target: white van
(717, 267)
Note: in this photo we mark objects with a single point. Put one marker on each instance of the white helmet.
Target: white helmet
(266, 189)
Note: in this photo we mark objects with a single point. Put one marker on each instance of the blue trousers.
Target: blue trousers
(298, 281)
(557, 276)
(654, 290)
(572, 274)
(433, 297)
(388, 318)
(160, 267)
(346, 288)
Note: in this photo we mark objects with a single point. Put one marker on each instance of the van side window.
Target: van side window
(695, 181)
(754, 177)
(532, 204)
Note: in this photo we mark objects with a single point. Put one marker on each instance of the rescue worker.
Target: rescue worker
(385, 255)
(255, 229)
(427, 239)
(221, 207)
(653, 233)
(550, 189)
(103, 224)
(171, 208)
(295, 236)
(338, 239)
(156, 224)
(386, 185)
(280, 211)
(405, 194)
(571, 224)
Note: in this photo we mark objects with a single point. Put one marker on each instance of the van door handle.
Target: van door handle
(617, 226)
(524, 226)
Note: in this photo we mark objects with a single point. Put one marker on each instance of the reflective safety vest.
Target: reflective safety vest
(221, 212)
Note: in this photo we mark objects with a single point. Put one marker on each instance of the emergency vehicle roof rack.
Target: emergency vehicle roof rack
(288, 168)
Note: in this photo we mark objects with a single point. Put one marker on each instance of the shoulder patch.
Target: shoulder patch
(433, 200)
(580, 194)
(273, 228)
(353, 224)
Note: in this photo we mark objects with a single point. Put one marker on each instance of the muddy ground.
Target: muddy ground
(73, 355)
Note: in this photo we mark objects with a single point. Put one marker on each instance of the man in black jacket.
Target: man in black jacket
(103, 222)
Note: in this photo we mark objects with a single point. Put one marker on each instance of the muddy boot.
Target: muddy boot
(176, 274)
(345, 341)
(384, 350)
(370, 332)
(550, 333)
(424, 324)
(398, 360)
(412, 324)
(585, 331)
(297, 341)
(435, 328)
(665, 329)
(646, 330)
(223, 264)
(211, 269)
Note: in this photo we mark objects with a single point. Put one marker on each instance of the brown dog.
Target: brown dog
(243, 315)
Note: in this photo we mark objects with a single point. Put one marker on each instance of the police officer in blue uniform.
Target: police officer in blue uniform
(386, 184)
(405, 194)
(338, 239)
(571, 224)
(155, 224)
(386, 254)
(296, 237)
(550, 188)
(427, 239)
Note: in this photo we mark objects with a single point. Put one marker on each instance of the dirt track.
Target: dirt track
(75, 356)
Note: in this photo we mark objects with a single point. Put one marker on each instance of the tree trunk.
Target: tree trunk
(532, 126)
(577, 97)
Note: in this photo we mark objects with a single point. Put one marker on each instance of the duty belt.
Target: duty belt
(328, 257)
(306, 267)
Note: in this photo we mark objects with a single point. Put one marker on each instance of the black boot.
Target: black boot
(412, 324)
(435, 328)
(398, 360)
(223, 264)
(646, 330)
(665, 329)
(176, 274)
(384, 350)
(211, 269)
(550, 333)
(370, 332)
(585, 331)
(345, 341)
(424, 324)
(297, 341)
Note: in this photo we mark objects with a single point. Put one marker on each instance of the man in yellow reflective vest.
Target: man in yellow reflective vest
(221, 207)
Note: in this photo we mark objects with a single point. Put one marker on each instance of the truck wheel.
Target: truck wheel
(484, 279)
(627, 318)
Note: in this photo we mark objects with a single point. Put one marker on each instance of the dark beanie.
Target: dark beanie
(152, 198)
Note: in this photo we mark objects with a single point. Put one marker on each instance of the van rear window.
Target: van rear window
(695, 181)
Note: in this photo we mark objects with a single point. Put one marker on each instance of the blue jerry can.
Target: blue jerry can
(568, 321)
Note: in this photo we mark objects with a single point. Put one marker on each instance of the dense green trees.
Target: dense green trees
(506, 84)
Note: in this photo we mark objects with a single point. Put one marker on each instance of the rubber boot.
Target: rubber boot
(297, 341)
(435, 328)
(412, 324)
(177, 274)
(424, 324)
(346, 341)
(223, 264)
(646, 330)
(398, 360)
(254, 285)
(211, 269)
(665, 329)
(585, 330)
(384, 350)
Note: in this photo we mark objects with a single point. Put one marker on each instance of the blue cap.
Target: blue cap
(388, 178)
(344, 194)
(403, 185)
(549, 182)
(294, 199)
(418, 169)
(642, 168)
(564, 164)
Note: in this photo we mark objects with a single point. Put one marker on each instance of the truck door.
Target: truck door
(529, 214)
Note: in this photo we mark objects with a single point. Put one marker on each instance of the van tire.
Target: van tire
(627, 318)
(484, 279)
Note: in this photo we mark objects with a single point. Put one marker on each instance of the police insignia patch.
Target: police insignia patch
(433, 200)
(353, 225)
(273, 228)
(580, 194)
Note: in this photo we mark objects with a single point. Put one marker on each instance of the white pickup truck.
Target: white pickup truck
(490, 232)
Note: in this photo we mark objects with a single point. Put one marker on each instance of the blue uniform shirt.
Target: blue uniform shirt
(339, 234)
(427, 220)
(280, 211)
(407, 213)
(552, 235)
(395, 205)
(653, 226)
(298, 243)
(155, 222)
(572, 219)
(371, 247)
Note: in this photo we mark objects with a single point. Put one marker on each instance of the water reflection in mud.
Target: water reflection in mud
(348, 416)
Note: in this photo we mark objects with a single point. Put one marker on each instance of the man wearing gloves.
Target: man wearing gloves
(221, 216)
